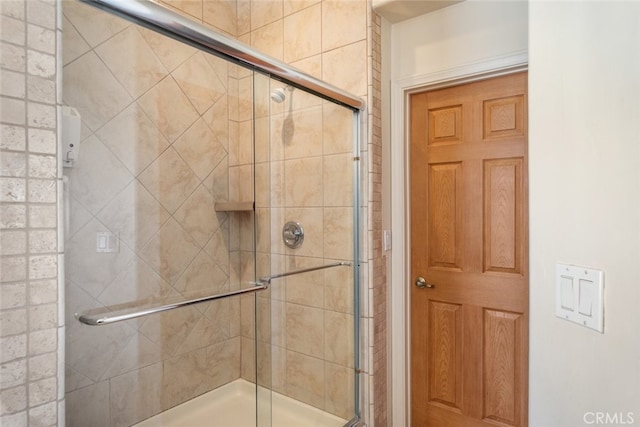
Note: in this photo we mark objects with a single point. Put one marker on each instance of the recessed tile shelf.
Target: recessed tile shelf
(233, 206)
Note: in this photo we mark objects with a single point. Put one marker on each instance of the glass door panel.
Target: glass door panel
(160, 210)
(305, 219)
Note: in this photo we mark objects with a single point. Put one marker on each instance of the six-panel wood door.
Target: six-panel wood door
(468, 183)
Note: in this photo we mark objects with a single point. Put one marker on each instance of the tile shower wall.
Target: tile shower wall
(31, 390)
(159, 127)
(305, 34)
(313, 37)
(378, 283)
(312, 314)
(308, 168)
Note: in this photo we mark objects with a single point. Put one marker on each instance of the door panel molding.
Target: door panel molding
(445, 328)
(504, 220)
(501, 370)
(445, 236)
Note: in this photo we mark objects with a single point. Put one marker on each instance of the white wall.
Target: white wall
(456, 36)
(584, 125)
(451, 43)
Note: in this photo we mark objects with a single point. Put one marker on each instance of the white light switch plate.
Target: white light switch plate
(107, 242)
(580, 295)
(386, 240)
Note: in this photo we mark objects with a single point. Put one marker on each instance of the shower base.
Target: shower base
(233, 405)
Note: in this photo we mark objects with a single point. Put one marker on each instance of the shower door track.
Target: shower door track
(169, 23)
(99, 319)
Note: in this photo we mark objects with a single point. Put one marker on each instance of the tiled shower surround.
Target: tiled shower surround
(30, 324)
(156, 124)
(167, 131)
(332, 40)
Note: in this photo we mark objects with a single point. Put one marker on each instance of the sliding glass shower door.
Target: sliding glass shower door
(159, 126)
(211, 229)
(307, 227)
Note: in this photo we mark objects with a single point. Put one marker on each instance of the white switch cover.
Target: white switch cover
(107, 242)
(386, 240)
(580, 295)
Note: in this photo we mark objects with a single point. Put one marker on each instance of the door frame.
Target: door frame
(399, 341)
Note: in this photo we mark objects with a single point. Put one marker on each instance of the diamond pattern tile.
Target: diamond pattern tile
(74, 44)
(77, 300)
(208, 332)
(135, 215)
(170, 52)
(220, 67)
(218, 246)
(170, 251)
(136, 282)
(168, 108)
(94, 25)
(78, 219)
(171, 328)
(74, 380)
(132, 61)
(170, 180)
(200, 149)
(200, 82)
(217, 117)
(133, 139)
(217, 183)
(139, 352)
(197, 216)
(202, 276)
(90, 87)
(96, 179)
(89, 270)
(92, 353)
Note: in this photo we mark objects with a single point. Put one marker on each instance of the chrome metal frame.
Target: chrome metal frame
(163, 20)
(357, 420)
(268, 279)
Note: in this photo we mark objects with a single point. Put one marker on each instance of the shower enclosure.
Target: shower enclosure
(211, 228)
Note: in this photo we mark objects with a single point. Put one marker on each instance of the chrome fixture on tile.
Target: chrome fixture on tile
(278, 95)
(293, 234)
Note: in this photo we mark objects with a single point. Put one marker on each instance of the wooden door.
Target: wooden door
(469, 239)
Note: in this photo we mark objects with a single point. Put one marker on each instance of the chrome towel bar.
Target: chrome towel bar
(126, 314)
(107, 317)
(268, 279)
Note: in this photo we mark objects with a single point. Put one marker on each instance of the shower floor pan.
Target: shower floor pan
(233, 405)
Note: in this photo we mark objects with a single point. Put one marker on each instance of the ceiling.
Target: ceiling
(400, 10)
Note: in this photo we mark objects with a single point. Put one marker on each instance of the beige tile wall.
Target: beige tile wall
(304, 34)
(305, 329)
(31, 28)
(334, 41)
(310, 176)
(160, 129)
(378, 282)
(31, 392)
